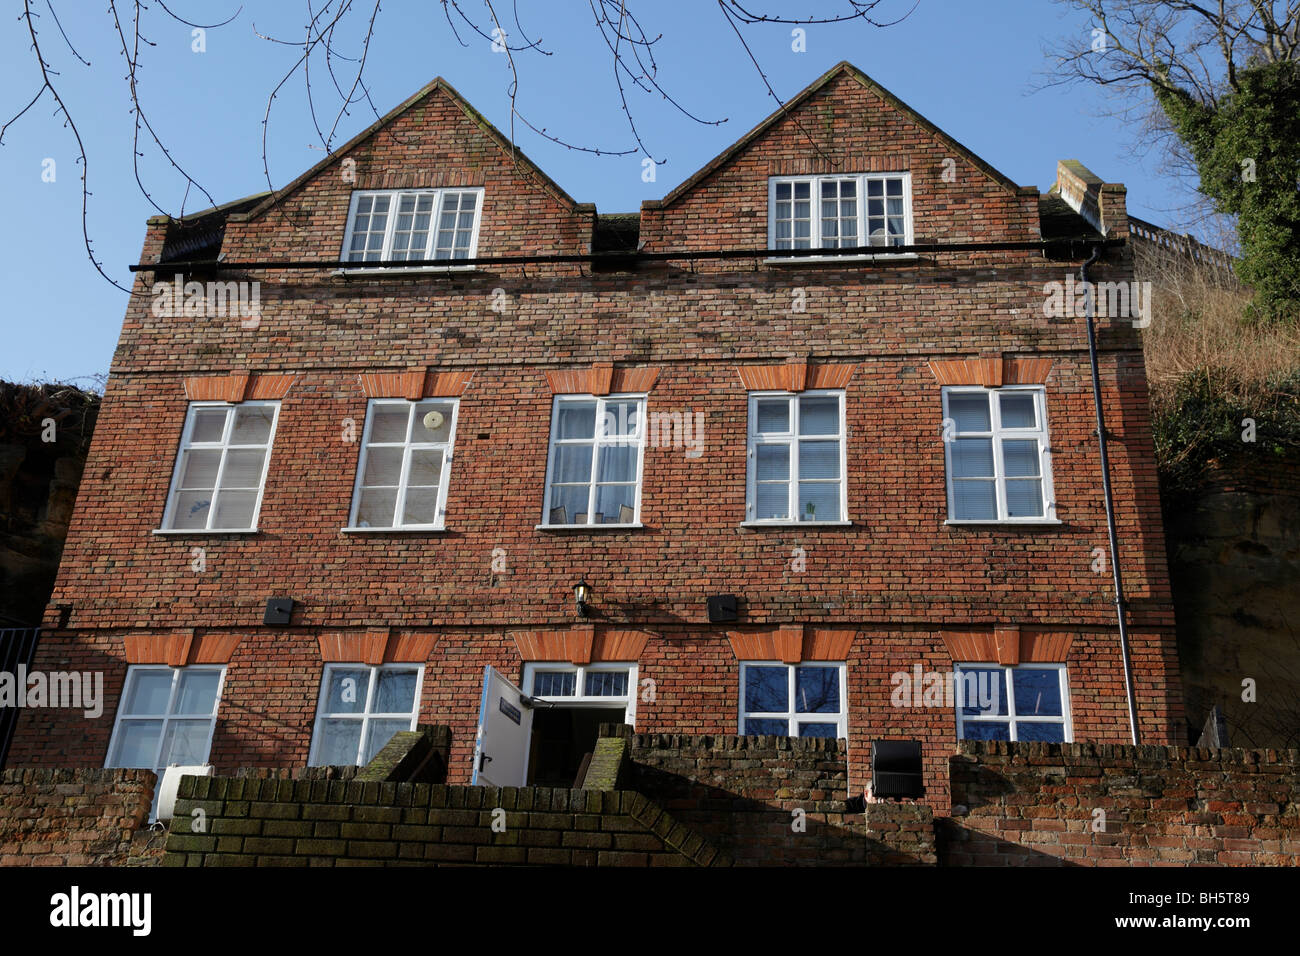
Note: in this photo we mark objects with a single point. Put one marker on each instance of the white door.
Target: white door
(505, 728)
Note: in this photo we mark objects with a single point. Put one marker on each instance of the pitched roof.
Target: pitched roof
(843, 68)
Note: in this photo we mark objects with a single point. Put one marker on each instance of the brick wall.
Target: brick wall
(76, 818)
(1106, 805)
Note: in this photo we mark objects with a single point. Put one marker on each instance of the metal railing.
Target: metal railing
(1179, 245)
(17, 648)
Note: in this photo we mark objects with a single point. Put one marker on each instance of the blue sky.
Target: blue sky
(971, 68)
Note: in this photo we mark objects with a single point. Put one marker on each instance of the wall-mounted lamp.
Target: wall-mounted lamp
(581, 594)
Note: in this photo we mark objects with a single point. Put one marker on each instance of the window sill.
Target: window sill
(823, 260)
(588, 527)
(796, 524)
(1004, 521)
(438, 530)
(201, 531)
(400, 271)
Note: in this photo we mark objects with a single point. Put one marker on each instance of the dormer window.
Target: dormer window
(413, 224)
(839, 212)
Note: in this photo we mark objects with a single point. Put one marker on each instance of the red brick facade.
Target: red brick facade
(888, 591)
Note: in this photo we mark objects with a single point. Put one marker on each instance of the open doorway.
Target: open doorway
(572, 702)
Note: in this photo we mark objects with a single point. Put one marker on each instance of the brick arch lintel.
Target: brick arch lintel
(991, 371)
(794, 376)
(180, 647)
(602, 378)
(793, 643)
(241, 386)
(582, 644)
(375, 646)
(1009, 646)
(417, 382)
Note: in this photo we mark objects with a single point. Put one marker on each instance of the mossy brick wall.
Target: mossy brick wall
(894, 579)
(334, 823)
(76, 817)
(1037, 804)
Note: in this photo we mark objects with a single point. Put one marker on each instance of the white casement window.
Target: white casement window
(1028, 702)
(221, 469)
(839, 212)
(793, 700)
(166, 717)
(413, 224)
(360, 709)
(796, 457)
(998, 458)
(405, 465)
(589, 685)
(593, 472)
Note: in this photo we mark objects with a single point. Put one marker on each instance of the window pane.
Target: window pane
(621, 418)
(615, 504)
(137, 743)
(187, 742)
(819, 501)
(767, 726)
(243, 468)
(773, 500)
(1020, 458)
(819, 416)
(1038, 692)
(606, 683)
(971, 457)
(576, 420)
(209, 424)
(345, 692)
(395, 692)
(569, 504)
(767, 690)
(149, 692)
(772, 462)
(199, 469)
(338, 742)
(383, 467)
(617, 463)
(421, 506)
(380, 732)
(1052, 733)
(252, 425)
(554, 683)
(819, 459)
(432, 422)
(426, 466)
(388, 422)
(818, 730)
(985, 730)
(981, 691)
(1017, 410)
(817, 690)
(974, 500)
(572, 463)
(773, 416)
(970, 412)
(235, 509)
(1025, 498)
(191, 509)
(197, 693)
(376, 507)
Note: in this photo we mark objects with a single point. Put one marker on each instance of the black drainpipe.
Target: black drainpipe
(1120, 608)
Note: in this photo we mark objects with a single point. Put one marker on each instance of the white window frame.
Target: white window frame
(364, 716)
(598, 439)
(580, 683)
(793, 716)
(998, 433)
(131, 673)
(448, 448)
(792, 439)
(390, 228)
(1008, 691)
(169, 513)
(815, 218)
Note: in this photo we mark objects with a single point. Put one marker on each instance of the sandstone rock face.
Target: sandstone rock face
(1234, 561)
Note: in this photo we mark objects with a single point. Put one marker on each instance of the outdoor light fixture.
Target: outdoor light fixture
(581, 593)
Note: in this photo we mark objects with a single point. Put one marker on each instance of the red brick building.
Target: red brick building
(889, 460)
